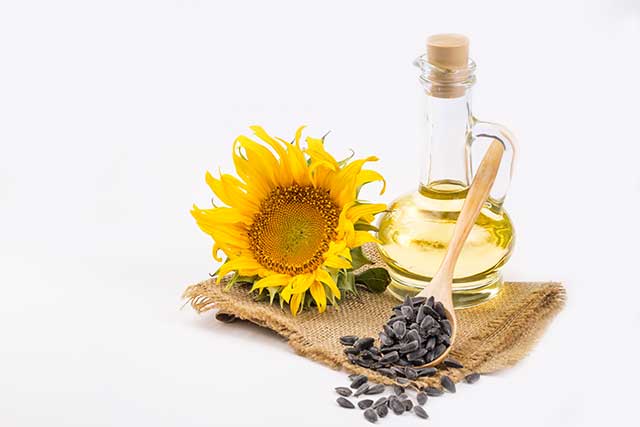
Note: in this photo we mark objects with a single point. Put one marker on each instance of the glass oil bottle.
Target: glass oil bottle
(416, 230)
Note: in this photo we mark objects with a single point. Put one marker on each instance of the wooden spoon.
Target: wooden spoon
(440, 285)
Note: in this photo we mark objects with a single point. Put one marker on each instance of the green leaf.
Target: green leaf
(375, 279)
(358, 258)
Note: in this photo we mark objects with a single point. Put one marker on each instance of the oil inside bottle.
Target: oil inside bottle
(415, 234)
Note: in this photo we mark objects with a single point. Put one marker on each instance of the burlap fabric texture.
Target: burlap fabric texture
(492, 336)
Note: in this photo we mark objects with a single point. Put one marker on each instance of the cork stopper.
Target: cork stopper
(449, 54)
(448, 51)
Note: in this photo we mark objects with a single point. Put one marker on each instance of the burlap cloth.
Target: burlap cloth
(492, 336)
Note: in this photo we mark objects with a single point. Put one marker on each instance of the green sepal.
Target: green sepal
(364, 226)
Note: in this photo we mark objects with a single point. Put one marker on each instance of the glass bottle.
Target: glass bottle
(416, 230)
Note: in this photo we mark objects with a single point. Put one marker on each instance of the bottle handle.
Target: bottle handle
(482, 135)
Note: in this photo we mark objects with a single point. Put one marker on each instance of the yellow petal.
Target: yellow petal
(319, 296)
(358, 211)
(324, 277)
(272, 280)
(361, 237)
(366, 176)
(245, 266)
(334, 261)
(315, 150)
(343, 187)
(295, 302)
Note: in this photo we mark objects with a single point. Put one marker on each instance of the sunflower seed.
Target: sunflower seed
(431, 312)
(371, 415)
(440, 310)
(345, 403)
(364, 363)
(408, 404)
(415, 355)
(446, 382)
(362, 389)
(440, 348)
(385, 340)
(418, 300)
(364, 404)
(400, 328)
(390, 357)
(382, 411)
(419, 411)
(397, 407)
(421, 397)
(348, 339)
(472, 378)
(225, 317)
(407, 312)
(352, 376)
(363, 343)
(427, 372)
(376, 389)
(411, 373)
(427, 322)
(343, 391)
(386, 372)
(409, 347)
(381, 401)
(431, 301)
(444, 339)
(433, 392)
(398, 390)
(389, 331)
(402, 381)
(413, 335)
(452, 363)
(431, 343)
(446, 326)
(358, 380)
(351, 350)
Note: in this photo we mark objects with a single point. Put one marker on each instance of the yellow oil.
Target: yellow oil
(415, 234)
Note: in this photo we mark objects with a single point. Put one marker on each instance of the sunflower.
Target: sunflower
(291, 218)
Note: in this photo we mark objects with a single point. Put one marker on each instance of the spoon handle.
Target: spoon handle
(476, 197)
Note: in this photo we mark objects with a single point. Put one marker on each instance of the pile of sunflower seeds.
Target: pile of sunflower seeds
(417, 333)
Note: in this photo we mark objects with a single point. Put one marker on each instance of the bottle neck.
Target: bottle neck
(448, 131)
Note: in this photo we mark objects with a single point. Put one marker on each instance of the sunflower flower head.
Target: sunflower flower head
(291, 219)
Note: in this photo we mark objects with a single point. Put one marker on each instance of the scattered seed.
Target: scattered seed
(472, 378)
(386, 372)
(422, 398)
(397, 406)
(382, 411)
(381, 401)
(362, 389)
(411, 373)
(225, 317)
(452, 363)
(408, 404)
(364, 404)
(402, 381)
(371, 415)
(403, 396)
(427, 372)
(348, 339)
(398, 390)
(376, 389)
(358, 380)
(345, 403)
(419, 411)
(343, 391)
(433, 392)
(363, 343)
(446, 382)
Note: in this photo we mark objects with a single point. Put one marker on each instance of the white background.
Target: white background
(111, 112)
